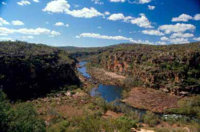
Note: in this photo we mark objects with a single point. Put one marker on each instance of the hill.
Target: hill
(171, 68)
(30, 70)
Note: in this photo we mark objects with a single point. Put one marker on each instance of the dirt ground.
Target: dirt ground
(150, 99)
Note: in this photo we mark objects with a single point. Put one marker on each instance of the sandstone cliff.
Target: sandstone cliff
(173, 68)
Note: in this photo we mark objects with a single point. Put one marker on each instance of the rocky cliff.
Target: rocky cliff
(28, 70)
(173, 68)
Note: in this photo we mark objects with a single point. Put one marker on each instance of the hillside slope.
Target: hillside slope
(29, 70)
(172, 68)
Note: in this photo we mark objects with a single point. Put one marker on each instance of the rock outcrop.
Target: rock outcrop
(173, 68)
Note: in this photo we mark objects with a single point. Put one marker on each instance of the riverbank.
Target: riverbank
(136, 102)
(137, 97)
(105, 77)
(151, 99)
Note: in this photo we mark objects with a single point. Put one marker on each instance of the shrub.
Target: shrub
(24, 119)
(60, 126)
(151, 119)
(188, 106)
(132, 82)
(124, 124)
(89, 124)
(4, 112)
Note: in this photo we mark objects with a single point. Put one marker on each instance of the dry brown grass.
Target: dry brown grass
(151, 99)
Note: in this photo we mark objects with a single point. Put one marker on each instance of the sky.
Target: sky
(96, 23)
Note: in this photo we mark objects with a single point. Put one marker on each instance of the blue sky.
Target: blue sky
(91, 23)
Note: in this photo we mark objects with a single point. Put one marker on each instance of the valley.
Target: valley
(125, 87)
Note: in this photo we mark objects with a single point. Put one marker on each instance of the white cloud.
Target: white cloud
(17, 23)
(6, 39)
(152, 32)
(142, 21)
(62, 6)
(144, 1)
(161, 43)
(186, 18)
(61, 24)
(3, 3)
(99, 36)
(164, 38)
(3, 22)
(29, 31)
(57, 6)
(23, 2)
(182, 17)
(36, 1)
(117, 1)
(54, 33)
(179, 27)
(84, 13)
(3, 34)
(197, 17)
(176, 38)
(67, 25)
(179, 41)
(151, 7)
(197, 39)
(181, 35)
(119, 16)
(98, 2)
(107, 13)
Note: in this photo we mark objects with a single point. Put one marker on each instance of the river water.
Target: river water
(108, 92)
(111, 93)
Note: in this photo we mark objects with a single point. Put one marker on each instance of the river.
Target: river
(108, 92)
(111, 93)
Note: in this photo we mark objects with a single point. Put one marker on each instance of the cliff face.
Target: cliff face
(174, 69)
(28, 71)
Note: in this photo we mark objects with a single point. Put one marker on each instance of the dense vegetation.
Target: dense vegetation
(188, 106)
(29, 70)
(171, 68)
(21, 118)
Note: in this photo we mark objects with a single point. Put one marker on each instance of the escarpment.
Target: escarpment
(29, 71)
(174, 68)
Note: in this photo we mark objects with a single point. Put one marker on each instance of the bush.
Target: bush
(132, 82)
(188, 106)
(151, 119)
(4, 112)
(59, 127)
(87, 123)
(124, 124)
(22, 118)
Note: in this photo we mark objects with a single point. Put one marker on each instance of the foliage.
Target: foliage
(59, 127)
(30, 70)
(172, 67)
(22, 118)
(95, 124)
(151, 119)
(188, 106)
(4, 112)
